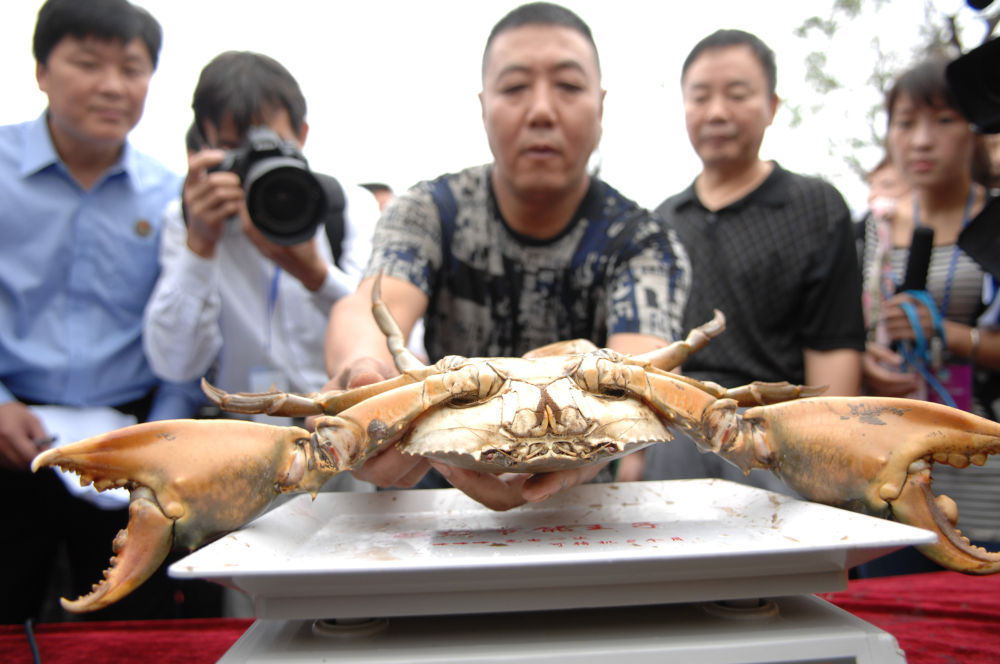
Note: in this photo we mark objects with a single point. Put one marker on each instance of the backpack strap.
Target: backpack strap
(333, 219)
(444, 200)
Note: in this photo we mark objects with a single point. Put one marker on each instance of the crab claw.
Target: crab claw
(917, 506)
(875, 455)
(139, 551)
(190, 481)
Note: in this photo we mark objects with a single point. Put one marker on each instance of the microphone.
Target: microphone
(919, 261)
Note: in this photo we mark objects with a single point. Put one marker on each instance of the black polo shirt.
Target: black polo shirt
(781, 265)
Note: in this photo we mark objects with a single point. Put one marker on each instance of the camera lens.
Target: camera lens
(284, 199)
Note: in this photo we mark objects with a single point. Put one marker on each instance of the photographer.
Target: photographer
(238, 299)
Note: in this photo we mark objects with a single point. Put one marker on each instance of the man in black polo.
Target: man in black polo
(772, 249)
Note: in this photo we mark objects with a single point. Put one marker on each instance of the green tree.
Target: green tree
(895, 34)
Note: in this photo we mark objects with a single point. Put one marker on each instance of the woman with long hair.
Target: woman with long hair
(932, 344)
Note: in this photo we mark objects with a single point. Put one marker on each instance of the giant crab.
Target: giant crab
(561, 406)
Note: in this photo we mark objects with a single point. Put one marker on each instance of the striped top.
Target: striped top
(975, 489)
(965, 299)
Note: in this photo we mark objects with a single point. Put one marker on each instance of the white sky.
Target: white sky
(391, 85)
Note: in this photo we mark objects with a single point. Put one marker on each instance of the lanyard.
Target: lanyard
(922, 354)
(272, 302)
(953, 265)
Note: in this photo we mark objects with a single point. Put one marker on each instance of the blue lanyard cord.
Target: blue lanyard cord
(921, 355)
(937, 320)
(917, 355)
(272, 302)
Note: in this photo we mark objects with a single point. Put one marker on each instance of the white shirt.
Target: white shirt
(239, 312)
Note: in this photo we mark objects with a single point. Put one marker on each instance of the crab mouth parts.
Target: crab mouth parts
(566, 449)
(546, 455)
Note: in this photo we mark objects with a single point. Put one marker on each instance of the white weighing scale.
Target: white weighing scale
(684, 570)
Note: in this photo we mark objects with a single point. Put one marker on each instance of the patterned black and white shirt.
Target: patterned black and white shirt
(495, 292)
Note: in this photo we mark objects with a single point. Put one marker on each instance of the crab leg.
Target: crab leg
(673, 355)
(875, 455)
(346, 440)
(708, 412)
(286, 404)
(330, 403)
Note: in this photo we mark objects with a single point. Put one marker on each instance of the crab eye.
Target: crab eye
(450, 362)
(472, 384)
(463, 400)
(612, 380)
(613, 391)
(603, 375)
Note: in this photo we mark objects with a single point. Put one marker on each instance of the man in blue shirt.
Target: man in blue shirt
(80, 214)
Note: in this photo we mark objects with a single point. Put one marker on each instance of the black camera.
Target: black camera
(285, 199)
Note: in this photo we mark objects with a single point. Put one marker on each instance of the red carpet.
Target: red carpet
(937, 618)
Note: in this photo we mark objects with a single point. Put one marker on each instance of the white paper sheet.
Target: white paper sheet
(70, 424)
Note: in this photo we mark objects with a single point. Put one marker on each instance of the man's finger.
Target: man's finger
(412, 478)
(391, 468)
(545, 485)
(497, 493)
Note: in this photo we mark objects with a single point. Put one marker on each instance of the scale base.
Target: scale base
(787, 629)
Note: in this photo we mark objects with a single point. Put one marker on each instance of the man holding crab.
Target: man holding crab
(528, 250)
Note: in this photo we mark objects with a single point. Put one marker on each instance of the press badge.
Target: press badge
(956, 379)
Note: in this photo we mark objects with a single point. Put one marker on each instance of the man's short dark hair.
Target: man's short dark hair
(540, 13)
(193, 140)
(726, 38)
(243, 85)
(104, 19)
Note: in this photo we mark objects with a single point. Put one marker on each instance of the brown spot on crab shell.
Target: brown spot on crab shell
(867, 414)
(378, 430)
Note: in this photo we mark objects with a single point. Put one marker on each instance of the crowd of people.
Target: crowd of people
(124, 284)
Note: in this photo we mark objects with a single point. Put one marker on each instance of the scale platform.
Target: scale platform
(422, 558)
(434, 552)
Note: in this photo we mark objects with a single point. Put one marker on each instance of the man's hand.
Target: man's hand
(19, 429)
(302, 260)
(209, 199)
(389, 468)
(504, 492)
(363, 371)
